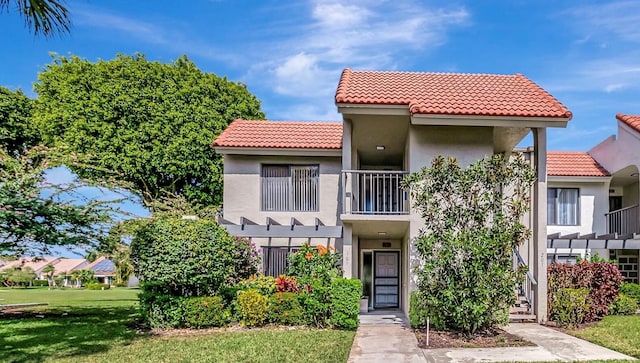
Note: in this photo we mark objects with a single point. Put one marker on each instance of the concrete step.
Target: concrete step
(522, 317)
(519, 310)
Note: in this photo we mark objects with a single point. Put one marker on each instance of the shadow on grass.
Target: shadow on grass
(61, 332)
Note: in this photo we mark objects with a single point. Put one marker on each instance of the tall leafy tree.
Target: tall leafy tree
(150, 122)
(43, 17)
(36, 215)
(17, 132)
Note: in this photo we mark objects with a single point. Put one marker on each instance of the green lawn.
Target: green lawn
(620, 333)
(94, 329)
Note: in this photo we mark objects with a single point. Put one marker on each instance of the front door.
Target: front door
(386, 286)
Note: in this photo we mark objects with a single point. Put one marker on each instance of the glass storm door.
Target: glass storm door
(386, 279)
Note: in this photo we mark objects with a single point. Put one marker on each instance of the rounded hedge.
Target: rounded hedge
(191, 257)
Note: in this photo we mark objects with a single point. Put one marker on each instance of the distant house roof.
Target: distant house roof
(450, 93)
(632, 120)
(281, 134)
(573, 163)
(35, 263)
(102, 267)
(69, 264)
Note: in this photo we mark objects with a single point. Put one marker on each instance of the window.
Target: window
(292, 188)
(563, 206)
(275, 259)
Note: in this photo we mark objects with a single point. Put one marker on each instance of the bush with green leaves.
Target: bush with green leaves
(570, 307)
(266, 285)
(419, 311)
(40, 283)
(345, 303)
(315, 299)
(623, 305)
(472, 224)
(285, 309)
(205, 312)
(191, 257)
(97, 286)
(631, 290)
(254, 308)
(159, 308)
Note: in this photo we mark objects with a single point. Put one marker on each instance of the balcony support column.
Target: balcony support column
(347, 183)
(539, 240)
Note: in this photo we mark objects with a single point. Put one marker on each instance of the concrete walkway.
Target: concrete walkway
(386, 337)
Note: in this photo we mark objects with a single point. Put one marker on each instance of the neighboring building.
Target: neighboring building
(103, 270)
(35, 263)
(338, 184)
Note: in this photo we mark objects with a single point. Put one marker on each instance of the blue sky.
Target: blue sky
(290, 54)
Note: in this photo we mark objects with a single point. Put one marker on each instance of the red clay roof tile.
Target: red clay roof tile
(281, 134)
(450, 93)
(573, 163)
(632, 120)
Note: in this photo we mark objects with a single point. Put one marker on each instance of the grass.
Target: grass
(94, 329)
(620, 333)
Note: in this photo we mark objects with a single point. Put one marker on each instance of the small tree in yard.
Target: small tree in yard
(466, 280)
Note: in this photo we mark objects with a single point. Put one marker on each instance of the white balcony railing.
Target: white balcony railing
(374, 192)
(624, 221)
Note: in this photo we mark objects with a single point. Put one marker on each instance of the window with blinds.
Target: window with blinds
(275, 260)
(563, 206)
(291, 188)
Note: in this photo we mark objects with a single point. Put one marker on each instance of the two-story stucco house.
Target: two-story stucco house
(338, 183)
(597, 194)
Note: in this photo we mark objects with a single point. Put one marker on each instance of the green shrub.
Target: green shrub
(191, 257)
(623, 305)
(205, 312)
(345, 303)
(97, 286)
(631, 290)
(315, 300)
(254, 307)
(158, 307)
(285, 309)
(40, 283)
(266, 285)
(419, 311)
(569, 306)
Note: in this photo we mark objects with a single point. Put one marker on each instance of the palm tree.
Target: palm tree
(48, 270)
(45, 17)
(81, 276)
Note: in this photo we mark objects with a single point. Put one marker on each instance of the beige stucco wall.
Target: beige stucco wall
(242, 189)
(618, 153)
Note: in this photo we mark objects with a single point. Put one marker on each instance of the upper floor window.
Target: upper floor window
(563, 206)
(292, 188)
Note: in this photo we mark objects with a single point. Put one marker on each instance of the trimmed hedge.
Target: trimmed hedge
(418, 310)
(601, 279)
(623, 305)
(285, 309)
(345, 303)
(570, 307)
(631, 290)
(205, 312)
(158, 307)
(97, 286)
(254, 308)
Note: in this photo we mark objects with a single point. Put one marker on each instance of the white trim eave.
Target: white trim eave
(578, 179)
(368, 109)
(479, 120)
(276, 151)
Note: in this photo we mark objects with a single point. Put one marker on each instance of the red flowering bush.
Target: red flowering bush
(601, 279)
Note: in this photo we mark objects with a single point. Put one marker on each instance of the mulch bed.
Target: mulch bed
(490, 338)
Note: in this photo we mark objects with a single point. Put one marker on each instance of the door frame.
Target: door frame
(398, 252)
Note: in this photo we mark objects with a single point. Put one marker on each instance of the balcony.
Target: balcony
(624, 221)
(374, 192)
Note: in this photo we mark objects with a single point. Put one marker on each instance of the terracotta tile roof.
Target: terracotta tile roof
(36, 263)
(450, 93)
(573, 163)
(632, 120)
(281, 134)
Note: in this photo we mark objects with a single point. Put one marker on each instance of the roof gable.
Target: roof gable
(281, 135)
(632, 121)
(573, 163)
(450, 93)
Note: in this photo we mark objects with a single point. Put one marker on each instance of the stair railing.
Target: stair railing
(526, 287)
